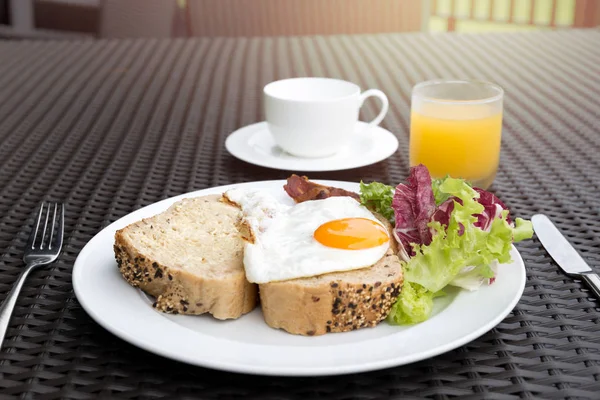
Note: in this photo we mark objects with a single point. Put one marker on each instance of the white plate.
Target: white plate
(255, 145)
(248, 345)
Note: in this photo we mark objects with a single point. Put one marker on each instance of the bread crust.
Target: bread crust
(332, 306)
(178, 291)
(339, 304)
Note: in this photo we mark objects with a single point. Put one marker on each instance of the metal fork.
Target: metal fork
(43, 247)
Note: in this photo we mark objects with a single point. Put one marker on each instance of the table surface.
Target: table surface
(110, 126)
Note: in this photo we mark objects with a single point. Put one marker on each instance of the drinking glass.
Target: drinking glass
(455, 129)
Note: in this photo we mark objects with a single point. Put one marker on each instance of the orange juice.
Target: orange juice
(460, 140)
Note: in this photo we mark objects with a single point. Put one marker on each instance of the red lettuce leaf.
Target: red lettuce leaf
(493, 208)
(442, 213)
(413, 205)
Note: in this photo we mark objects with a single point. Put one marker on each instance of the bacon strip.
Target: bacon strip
(301, 189)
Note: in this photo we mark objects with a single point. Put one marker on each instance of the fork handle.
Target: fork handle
(9, 303)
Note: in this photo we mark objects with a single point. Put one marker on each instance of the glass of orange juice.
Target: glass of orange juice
(455, 129)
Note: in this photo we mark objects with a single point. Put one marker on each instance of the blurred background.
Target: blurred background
(68, 19)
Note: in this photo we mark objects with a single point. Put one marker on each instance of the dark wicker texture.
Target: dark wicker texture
(110, 126)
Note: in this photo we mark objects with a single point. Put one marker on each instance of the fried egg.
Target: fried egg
(308, 239)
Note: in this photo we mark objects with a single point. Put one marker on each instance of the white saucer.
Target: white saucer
(255, 145)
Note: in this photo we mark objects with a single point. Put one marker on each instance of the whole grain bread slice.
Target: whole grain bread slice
(336, 302)
(190, 258)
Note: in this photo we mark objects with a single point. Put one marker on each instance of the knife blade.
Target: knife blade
(563, 253)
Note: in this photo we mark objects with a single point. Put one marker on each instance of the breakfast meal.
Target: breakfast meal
(325, 265)
(331, 261)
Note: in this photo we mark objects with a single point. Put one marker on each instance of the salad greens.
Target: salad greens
(470, 234)
(413, 306)
(461, 244)
(439, 196)
(378, 197)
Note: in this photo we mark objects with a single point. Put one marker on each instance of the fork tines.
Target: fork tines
(49, 226)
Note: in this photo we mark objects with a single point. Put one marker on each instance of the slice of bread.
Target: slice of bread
(190, 258)
(336, 302)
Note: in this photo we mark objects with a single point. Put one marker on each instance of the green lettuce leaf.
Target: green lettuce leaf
(471, 278)
(460, 253)
(523, 230)
(413, 306)
(462, 244)
(378, 197)
(439, 195)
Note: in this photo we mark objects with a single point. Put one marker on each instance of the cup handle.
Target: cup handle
(385, 104)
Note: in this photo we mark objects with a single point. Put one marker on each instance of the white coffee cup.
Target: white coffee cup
(316, 117)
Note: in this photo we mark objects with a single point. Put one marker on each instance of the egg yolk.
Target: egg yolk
(351, 234)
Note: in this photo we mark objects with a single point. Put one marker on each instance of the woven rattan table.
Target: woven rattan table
(110, 126)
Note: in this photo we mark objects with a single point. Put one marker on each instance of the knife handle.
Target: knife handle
(593, 282)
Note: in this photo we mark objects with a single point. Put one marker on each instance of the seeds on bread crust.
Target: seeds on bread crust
(360, 306)
(347, 302)
(140, 273)
(170, 258)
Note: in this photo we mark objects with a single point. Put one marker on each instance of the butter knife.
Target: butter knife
(567, 258)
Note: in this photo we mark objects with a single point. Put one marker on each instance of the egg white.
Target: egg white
(284, 246)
